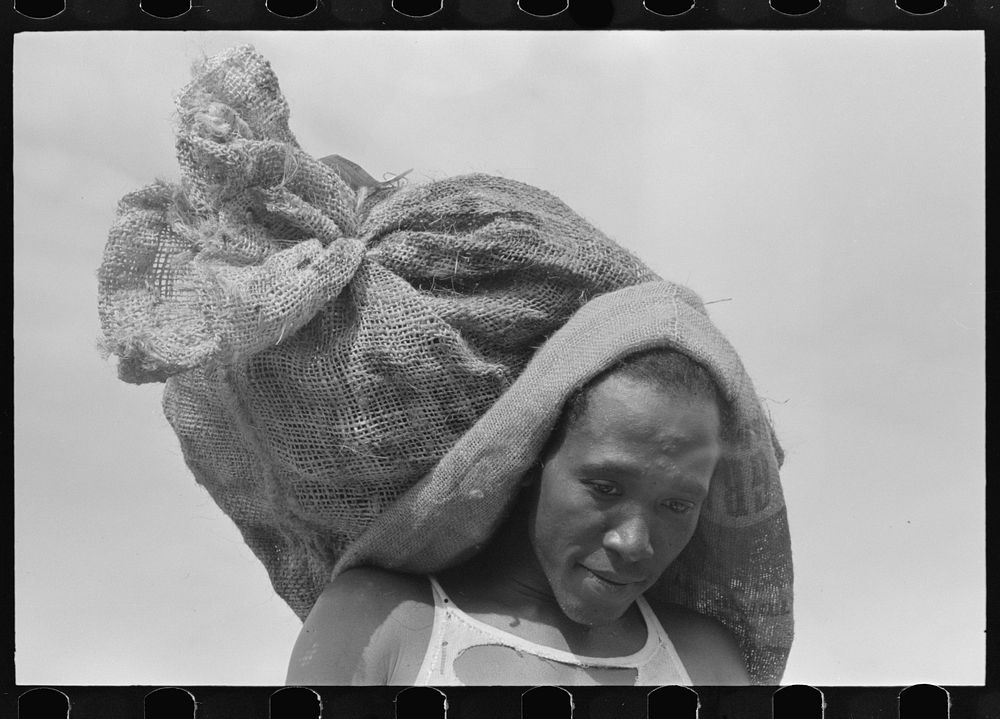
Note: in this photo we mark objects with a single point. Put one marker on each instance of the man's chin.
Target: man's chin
(592, 616)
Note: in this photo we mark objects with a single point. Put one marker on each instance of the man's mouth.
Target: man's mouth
(613, 579)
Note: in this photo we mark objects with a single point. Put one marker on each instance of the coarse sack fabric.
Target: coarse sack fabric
(361, 372)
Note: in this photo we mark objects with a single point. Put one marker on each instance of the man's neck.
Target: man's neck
(507, 579)
(507, 566)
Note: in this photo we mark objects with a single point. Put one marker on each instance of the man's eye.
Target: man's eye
(680, 507)
(607, 490)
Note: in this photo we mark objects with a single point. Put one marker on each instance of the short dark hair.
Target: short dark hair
(666, 369)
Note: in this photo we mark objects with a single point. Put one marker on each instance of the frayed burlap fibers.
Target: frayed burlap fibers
(353, 367)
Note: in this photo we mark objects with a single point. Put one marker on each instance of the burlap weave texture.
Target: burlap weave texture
(327, 347)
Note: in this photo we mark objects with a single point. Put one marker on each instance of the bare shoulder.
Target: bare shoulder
(706, 647)
(365, 628)
(380, 585)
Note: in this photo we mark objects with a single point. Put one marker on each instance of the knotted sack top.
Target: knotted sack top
(350, 365)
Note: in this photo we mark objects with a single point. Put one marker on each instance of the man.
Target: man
(556, 596)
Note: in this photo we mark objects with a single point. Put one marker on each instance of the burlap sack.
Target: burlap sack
(328, 342)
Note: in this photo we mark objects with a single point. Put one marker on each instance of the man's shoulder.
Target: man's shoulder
(366, 627)
(680, 620)
(705, 645)
(370, 597)
(373, 588)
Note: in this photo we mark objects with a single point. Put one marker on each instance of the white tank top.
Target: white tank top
(454, 631)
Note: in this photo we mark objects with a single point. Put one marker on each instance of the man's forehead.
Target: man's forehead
(671, 418)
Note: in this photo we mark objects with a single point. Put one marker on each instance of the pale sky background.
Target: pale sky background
(830, 183)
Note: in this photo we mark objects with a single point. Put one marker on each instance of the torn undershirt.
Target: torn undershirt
(463, 650)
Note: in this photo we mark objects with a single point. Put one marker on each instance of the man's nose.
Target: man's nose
(629, 538)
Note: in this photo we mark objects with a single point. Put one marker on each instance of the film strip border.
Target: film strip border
(800, 702)
(500, 14)
(791, 702)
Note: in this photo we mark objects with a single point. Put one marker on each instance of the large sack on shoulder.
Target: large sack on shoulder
(326, 339)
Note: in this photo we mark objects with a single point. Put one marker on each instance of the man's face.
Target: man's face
(620, 498)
